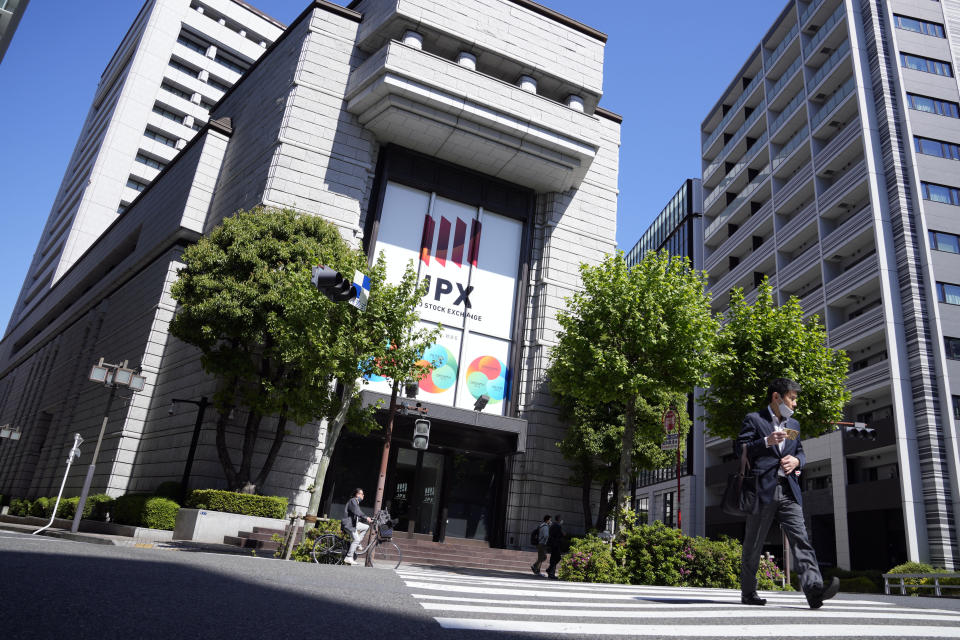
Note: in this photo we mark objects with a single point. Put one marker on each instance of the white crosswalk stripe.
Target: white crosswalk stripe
(525, 605)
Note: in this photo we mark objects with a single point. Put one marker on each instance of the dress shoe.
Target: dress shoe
(753, 599)
(819, 593)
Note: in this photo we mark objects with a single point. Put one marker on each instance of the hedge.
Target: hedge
(242, 503)
(142, 510)
(39, 508)
(20, 507)
(128, 509)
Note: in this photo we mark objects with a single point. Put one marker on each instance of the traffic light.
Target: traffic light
(332, 284)
(421, 433)
(860, 431)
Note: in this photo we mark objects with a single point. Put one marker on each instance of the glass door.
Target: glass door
(414, 498)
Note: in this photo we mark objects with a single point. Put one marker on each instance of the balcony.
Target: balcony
(853, 277)
(746, 229)
(735, 172)
(828, 66)
(812, 302)
(875, 375)
(839, 142)
(747, 92)
(838, 97)
(740, 133)
(842, 184)
(787, 40)
(793, 185)
(848, 230)
(788, 111)
(747, 265)
(784, 154)
(738, 202)
(856, 328)
(799, 265)
(785, 78)
(432, 105)
(754, 293)
(825, 30)
(808, 12)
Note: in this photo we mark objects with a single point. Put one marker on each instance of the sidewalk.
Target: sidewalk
(144, 538)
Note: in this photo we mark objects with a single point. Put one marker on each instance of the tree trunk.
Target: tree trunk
(250, 433)
(586, 487)
(626, 453)
(329, 442)
(603, 509)
(278, 438)
(223, 453)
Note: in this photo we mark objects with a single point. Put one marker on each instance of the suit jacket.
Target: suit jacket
(765, 460)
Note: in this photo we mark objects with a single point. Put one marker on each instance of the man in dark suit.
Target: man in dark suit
(776, 458)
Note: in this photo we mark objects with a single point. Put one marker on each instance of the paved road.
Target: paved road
(55, 588)
(514, 605)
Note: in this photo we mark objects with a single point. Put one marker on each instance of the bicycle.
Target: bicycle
(331, 548)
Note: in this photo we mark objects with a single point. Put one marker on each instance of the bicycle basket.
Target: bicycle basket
(386, 530)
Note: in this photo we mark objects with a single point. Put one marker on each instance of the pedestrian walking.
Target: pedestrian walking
(776, 459)
(543, 538)
(555, 542)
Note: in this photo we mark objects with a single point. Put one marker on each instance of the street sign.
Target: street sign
(669, 421)
(671, 442)
(361, 285)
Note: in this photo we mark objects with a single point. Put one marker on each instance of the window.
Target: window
(159, 137)
(929, 65)
(919, 26)
(230, 64)
(956, 407)
(166, 113)
(940, 193)
(937, 148)
(217, 85)
(940, 241)
(952, 347)
(668, 509)
(190, 44)
(948, 293)
(179, 66)
(136, 184)
(150, 162)
(933, 105)
(169, 88)
(643, 509)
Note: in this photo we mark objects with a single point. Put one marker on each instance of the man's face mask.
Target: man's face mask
(785, 411)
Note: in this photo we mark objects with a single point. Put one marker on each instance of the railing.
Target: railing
(839, 236)
(841, 184)
(735, 171)
(799, 265)
(738, 201)
(829, 65)
(793, 143)
(759, 111)
(856, 327)
(796, 181)
(848, 279)
(822, 33)
(937, 587)
(788, 110)
(809, 11)
(746, 265)
(747, 228)
(733, 111)
(868, 377)
(812, 300)
(798, 221)
(839, 141)
(785, 77)
(838, 96)
(787, 39)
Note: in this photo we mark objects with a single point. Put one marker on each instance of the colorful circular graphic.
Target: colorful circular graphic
(487, 375)
(443, 374)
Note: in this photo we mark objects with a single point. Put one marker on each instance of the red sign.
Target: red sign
(669, 421)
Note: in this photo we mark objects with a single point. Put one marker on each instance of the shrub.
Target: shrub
(39, 507)
(590, 559)
(654, 554)
(242, 503)
(712, 563)
(20, 507)
(98, 507)
(770, 577)
(169, 490)
(911, 567)
(159, 513)
(302, 552)
(67, 507)
(128, 509)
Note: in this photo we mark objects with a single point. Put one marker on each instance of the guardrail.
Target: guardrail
(937, 587)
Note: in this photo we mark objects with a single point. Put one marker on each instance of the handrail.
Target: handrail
(787, 40)
(838, 96)
(788, 148)
(747, 91)
(739, 200)
(785, 76)
(822, 32)
(735, 171)
(937, 587)
(749, 122)
(788, 110)
(809, 11)
(829, 65)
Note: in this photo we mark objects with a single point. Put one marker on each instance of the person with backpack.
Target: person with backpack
(556, 546)
(540, 536)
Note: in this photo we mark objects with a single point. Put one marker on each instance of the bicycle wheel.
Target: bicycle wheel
(387, 554)
(328, 550)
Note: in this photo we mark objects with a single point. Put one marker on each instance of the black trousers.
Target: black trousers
(785, 509)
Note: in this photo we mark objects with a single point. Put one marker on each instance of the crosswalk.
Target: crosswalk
(526, 605)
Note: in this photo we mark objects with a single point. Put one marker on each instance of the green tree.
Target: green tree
(762, 341)
(630, 334)
(276, 345)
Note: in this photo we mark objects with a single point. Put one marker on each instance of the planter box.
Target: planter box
(203, 525)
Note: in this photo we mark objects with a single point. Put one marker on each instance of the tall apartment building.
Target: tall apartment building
(678, 229)
(830, 166)
(10, 13)
(176, 61)
(464, 135)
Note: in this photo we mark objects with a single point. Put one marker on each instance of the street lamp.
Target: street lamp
(201, 404)
(74, 453)
(111, 376)
(13, 433)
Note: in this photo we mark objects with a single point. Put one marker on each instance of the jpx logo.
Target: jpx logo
(436, 243)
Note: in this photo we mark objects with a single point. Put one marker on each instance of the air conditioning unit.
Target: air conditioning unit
(812, 29)
(836, 123)
(828, 173)
(819, 97)
(826, 50)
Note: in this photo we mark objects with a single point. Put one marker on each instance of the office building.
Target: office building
(830, 166)
(464, 135)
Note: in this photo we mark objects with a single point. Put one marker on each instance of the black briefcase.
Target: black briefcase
(740, 496)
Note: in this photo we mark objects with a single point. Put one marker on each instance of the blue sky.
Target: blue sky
(666, 63)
